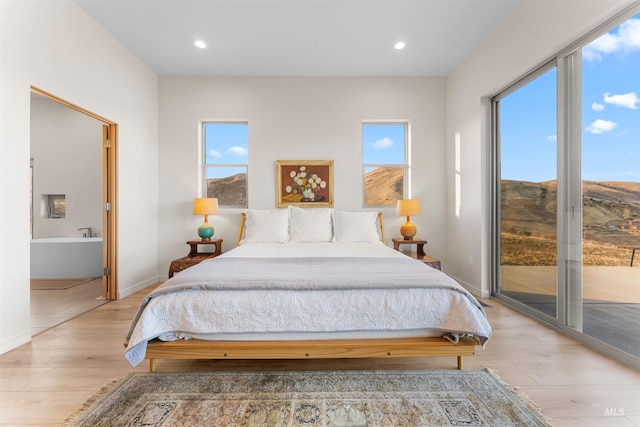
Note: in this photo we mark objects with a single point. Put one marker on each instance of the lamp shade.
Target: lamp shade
(205, 206)
(408, 207)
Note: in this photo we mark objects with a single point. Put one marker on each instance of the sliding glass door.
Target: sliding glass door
(610, 159)
(528, 189)
(567, 191)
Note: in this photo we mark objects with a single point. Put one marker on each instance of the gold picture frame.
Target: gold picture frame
(305, 183)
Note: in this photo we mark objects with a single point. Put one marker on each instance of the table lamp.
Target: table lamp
(408, 207)
(205, 206)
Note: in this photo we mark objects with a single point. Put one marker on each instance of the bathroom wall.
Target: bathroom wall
(66, 150)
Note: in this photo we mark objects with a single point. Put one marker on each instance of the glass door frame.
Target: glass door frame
(495, 162)
(569, 145)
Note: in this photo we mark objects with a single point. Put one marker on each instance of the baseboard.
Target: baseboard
(472, 288)
(15, 341)
(125, 292)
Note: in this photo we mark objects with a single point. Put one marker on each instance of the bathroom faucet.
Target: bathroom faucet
(88, 233)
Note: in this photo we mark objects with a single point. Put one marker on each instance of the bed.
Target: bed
(307, 283)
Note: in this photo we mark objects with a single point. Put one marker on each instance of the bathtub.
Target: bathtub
(66, 257)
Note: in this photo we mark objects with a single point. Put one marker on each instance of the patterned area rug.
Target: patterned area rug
(297, 398)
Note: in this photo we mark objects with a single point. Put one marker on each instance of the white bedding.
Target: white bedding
(371, 309)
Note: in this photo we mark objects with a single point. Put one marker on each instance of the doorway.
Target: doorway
(73, 216)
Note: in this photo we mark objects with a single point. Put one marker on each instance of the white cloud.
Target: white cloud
(215, 154)
(383, 143)
(597, 107)
(605, 44)
(626, 39)
(552, 138)
(628, 100)
(601, 126)
(237, 151)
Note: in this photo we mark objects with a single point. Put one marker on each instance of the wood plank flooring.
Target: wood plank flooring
(53, 307)
(43, 381)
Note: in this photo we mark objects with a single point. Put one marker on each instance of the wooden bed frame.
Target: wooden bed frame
(309, 349)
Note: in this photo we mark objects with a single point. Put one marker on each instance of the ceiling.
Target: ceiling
(300, 37)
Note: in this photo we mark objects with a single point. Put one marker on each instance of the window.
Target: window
(225, 162)
(384, 162)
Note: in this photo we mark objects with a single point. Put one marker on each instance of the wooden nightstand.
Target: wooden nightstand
(432, 262)
(397, 241)
(420, 254)
(194, 257)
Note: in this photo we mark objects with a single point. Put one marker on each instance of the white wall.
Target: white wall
(533, 32)
(55, 46)
(66, 148)
(294, 119)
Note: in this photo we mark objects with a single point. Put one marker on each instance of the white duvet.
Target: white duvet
(306, 291)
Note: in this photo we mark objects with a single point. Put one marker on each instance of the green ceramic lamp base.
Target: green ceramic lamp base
(205, 231)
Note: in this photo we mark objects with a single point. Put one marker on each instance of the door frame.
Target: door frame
(109, 195)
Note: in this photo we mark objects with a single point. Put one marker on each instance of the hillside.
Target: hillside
(611, 219)
(230, 191)
(529, 207)
(611, 212)
(384, 186)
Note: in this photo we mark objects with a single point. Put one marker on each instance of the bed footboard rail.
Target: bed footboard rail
(313, 349)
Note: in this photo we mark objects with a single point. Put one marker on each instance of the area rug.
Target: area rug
(56, 284)
(317, 398)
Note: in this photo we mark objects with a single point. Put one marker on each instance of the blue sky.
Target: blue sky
(383, 143)
(226, 144)
(610, 115)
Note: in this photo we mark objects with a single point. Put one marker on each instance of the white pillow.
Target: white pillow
(310, 225)
(355, 227)
(266, 226)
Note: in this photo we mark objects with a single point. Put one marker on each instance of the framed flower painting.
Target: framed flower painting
(305, 183)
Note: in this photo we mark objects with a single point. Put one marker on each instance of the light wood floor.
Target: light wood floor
(45, 380)
(50, 308)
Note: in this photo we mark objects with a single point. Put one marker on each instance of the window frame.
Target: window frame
(406, 166)
(204, 166)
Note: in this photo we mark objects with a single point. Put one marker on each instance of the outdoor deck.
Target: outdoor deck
(611, 296)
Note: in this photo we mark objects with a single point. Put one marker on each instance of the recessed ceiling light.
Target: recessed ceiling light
(399, 45)
(200, 44)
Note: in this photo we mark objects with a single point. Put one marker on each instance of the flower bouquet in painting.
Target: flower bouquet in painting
(305, 183)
